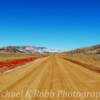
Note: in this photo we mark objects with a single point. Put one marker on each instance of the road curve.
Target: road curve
(50, 78)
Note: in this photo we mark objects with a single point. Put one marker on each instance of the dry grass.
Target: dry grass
(10, 56)
(85, 58)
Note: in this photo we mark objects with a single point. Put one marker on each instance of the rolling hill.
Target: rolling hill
(91, 50)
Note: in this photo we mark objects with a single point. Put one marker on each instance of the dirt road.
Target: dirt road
(50, 78)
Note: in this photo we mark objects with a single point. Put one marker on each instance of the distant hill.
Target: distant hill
(25, 49)
(92, 49)
(10, 50)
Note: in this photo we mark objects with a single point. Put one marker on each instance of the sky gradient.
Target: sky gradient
(61, 24)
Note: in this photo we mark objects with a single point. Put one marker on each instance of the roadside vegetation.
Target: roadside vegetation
(84, 57)
(11, 56)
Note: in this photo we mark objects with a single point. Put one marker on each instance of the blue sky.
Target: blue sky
(61, 24)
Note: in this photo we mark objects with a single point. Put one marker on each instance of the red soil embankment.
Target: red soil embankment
(13, 63)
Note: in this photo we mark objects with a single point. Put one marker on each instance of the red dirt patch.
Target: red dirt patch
(8, 64)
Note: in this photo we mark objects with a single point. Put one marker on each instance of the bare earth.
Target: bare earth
(50, 78)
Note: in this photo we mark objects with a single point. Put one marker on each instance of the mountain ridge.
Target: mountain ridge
(25, 49)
